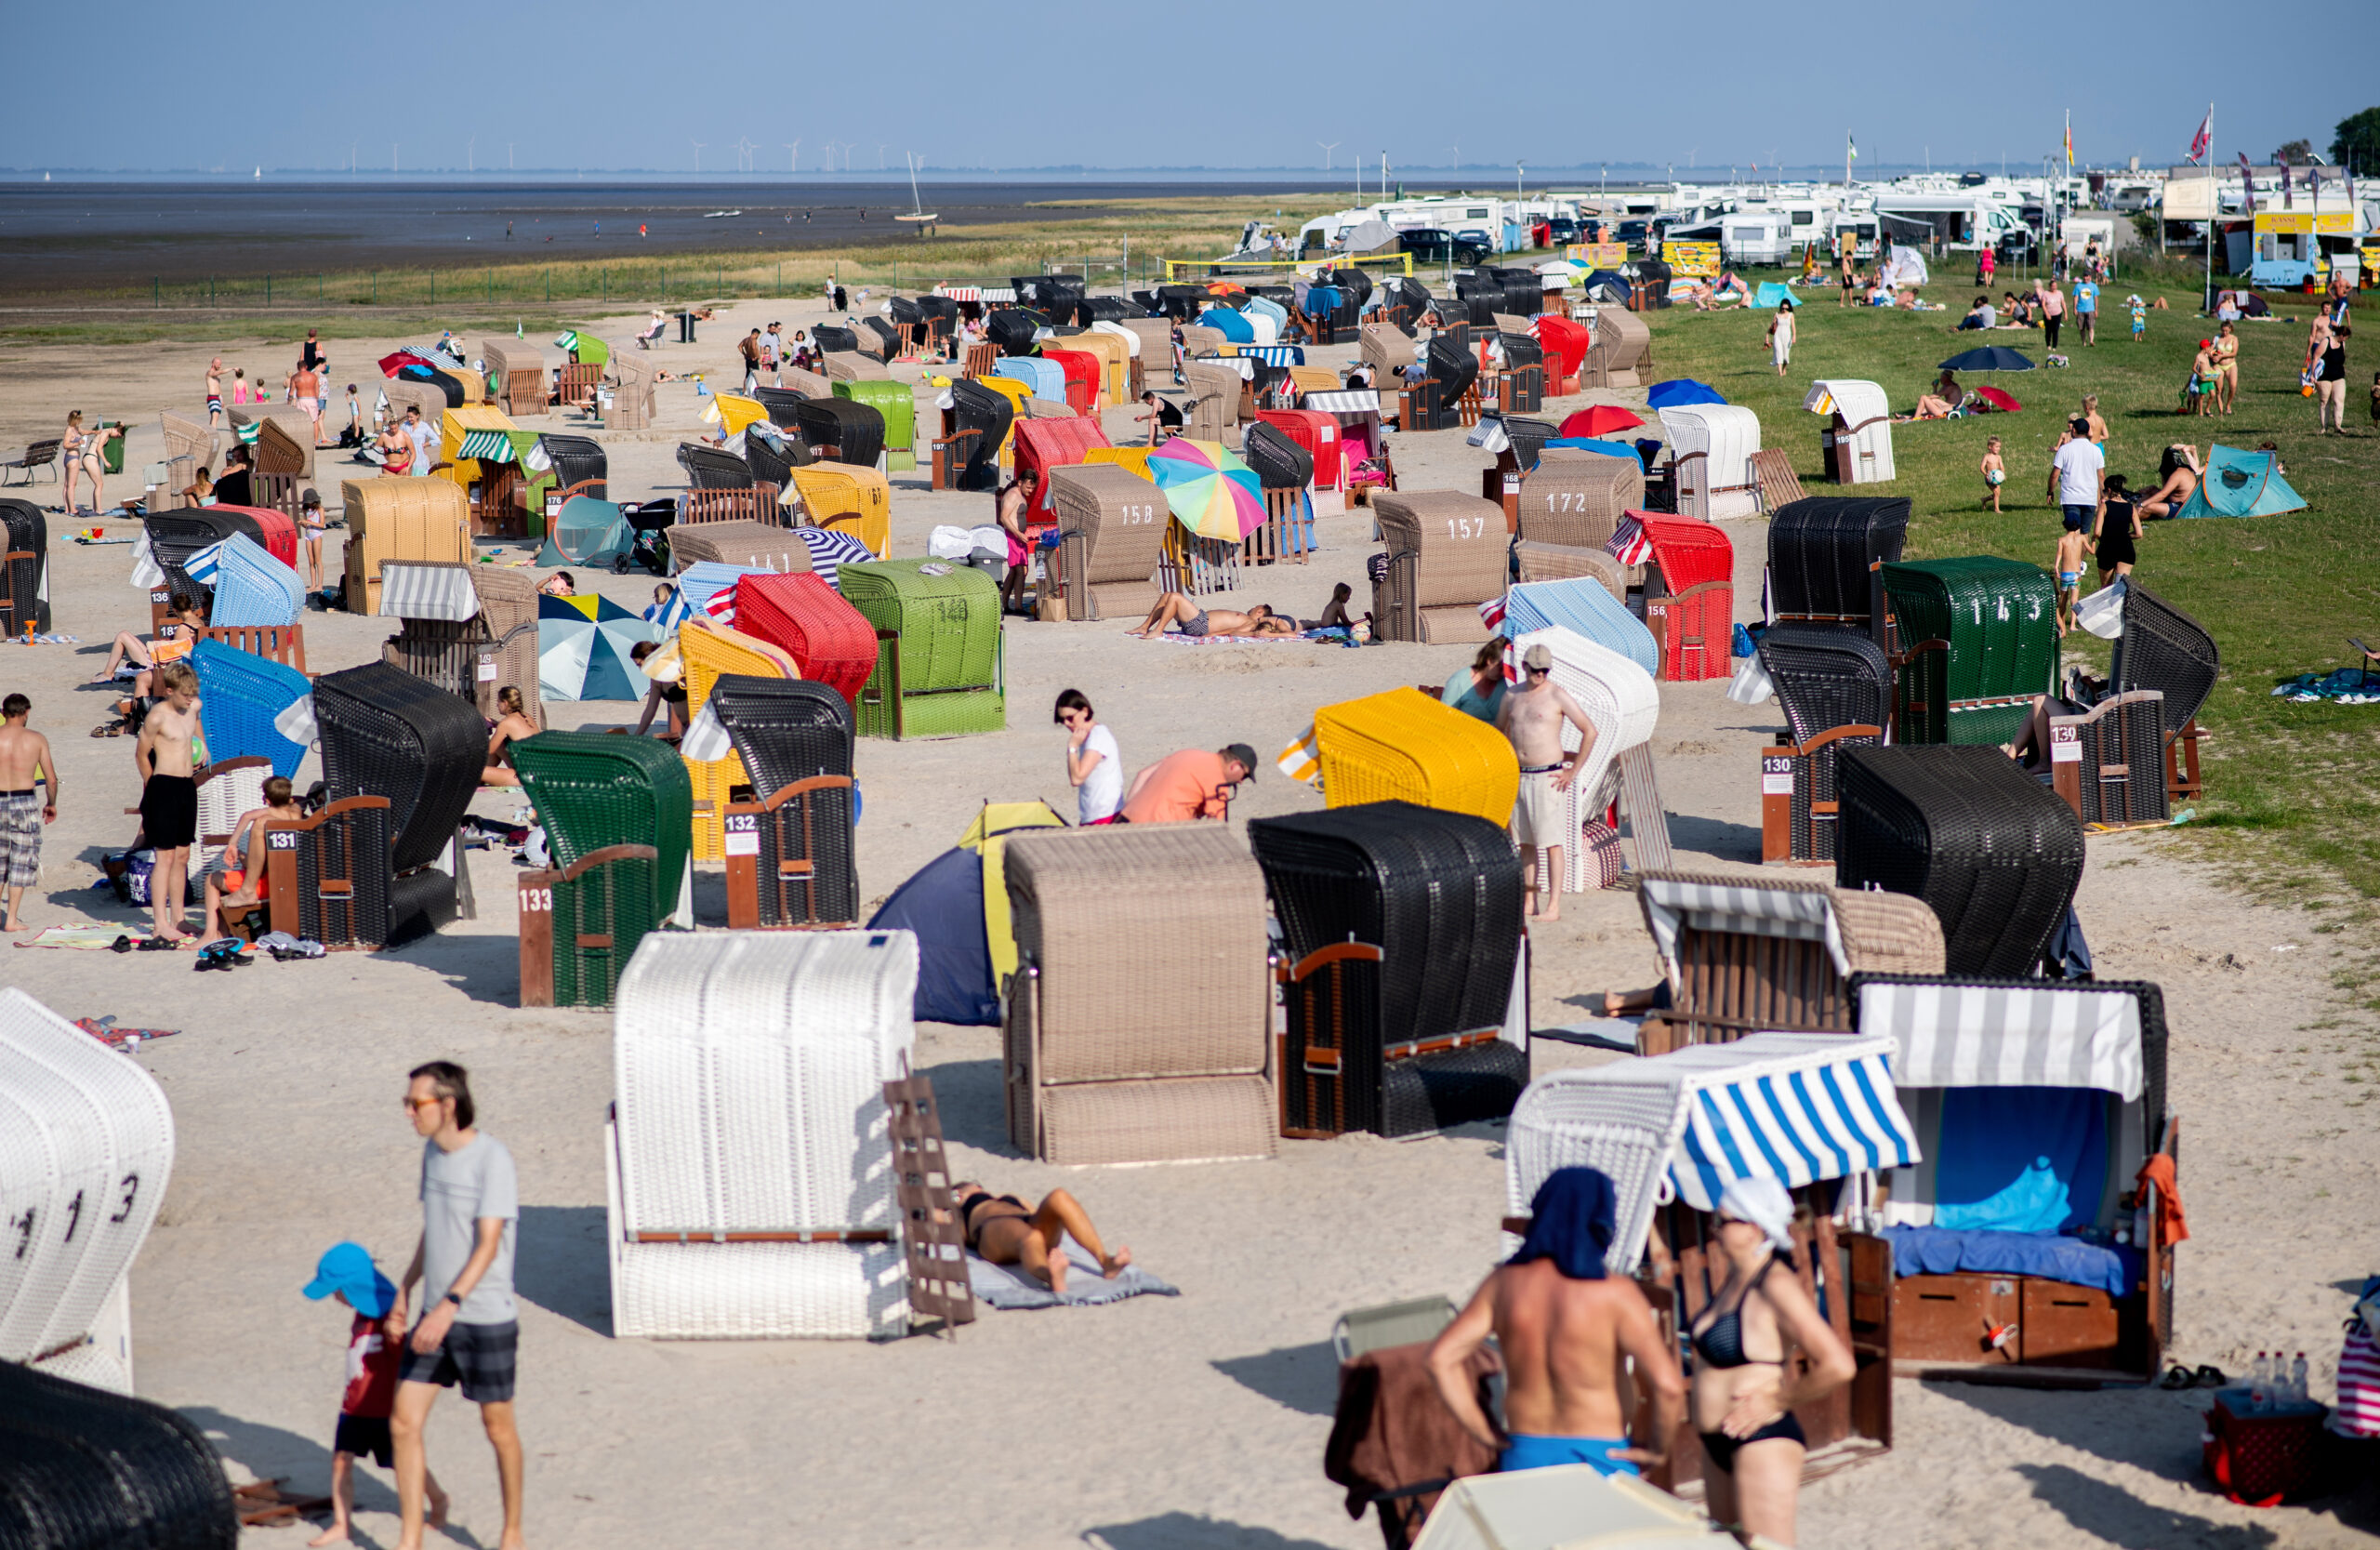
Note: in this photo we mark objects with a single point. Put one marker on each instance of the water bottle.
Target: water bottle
(2298, 1379)
(2260, 1382)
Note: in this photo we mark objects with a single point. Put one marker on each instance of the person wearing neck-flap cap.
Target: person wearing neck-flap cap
(1564, 1325)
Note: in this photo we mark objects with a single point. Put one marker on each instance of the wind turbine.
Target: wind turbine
(1458, 157)
(698, 156)
(508, 155)
(879, 158)
(1325, 153)
(744, 149)
(793, 157)
(470, 154)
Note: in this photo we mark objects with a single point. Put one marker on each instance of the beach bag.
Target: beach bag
(2358, 1411)
(132, 882)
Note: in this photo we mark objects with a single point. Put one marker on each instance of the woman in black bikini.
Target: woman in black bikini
(1007, 1231)
(1744, 1343)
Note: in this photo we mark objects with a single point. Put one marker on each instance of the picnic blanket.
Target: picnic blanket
(1005, 1286)
(2346, 686)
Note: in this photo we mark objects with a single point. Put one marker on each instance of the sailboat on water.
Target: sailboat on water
(917, 215)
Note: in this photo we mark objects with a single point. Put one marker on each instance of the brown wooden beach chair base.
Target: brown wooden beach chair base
(263, 1503)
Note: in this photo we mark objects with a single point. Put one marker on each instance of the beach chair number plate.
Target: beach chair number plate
(2066, 745)
(1468, 527)
(1137, 516)
(743, 834)
(1567, 500)
(537, 901)
(281, 839)
(1776, 776)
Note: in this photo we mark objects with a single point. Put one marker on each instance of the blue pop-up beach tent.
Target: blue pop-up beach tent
(2240, 484)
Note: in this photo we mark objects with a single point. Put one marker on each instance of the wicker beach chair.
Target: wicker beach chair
(632, 401)
(1136, 1023)
(85, 1126)
(1690, 596)
(1743, 954)
(1401, 967)
(711, 650)
(772, 460)
(388, 733)
(1081, 373)
(2164, 651)
(95, 1465)
(1537, 562)
(2108, 763)
(1994, 853)
(1632, 348)
(1445, 556)
(878, 338)
(593, 792)
(1711, 449)
(1822, 556)
(1624, 702)
(896, 406)
(470, 629)
(519, 373)
(848, 498)
(1316, 433)
(1835, 686)
(252, 588)
(975, 436)
(1577, 499)
(175, 535)
(1114, 363)
(331, 880)
(749, 1159)
(1212, 412)
(842, 430)
(850, 366)
(1976, 647)
(1520, 387)
(295, 441)
(581, 924)
(1403, 746)
(578, 466)
(399, 518)
(789, 850)
(941, 658)
(825, 636)
(239, 695)
(711, 467)
(1111, 527)
(1042, 446)
(24, 564)
(1585, 606)
(758, 545)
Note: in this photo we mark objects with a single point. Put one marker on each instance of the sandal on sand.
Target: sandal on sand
(2211, 1377)
(107, 729)
(2177, 1376)
(158, 945)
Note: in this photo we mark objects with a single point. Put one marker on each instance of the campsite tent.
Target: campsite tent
(2241, 484)
(958, 906)
(1771, 294)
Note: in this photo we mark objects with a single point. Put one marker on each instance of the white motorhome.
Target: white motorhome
(1964, 219)
(1756, 237)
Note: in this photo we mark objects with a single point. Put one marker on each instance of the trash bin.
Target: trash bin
(112, 458)
(685, 328)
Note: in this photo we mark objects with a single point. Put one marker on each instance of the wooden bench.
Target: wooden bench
(37, 455)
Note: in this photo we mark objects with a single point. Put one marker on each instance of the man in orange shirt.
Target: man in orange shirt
(1192, 783)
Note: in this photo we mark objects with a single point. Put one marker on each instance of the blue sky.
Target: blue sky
(608, 84)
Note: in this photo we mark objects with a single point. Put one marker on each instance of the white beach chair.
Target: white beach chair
(749, 1154)
(86, 1148)
(1623, 701)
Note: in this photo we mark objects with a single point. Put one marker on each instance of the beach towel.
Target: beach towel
(123, 1040)
(2344, 686)
(85, 939)
(1008, 1286)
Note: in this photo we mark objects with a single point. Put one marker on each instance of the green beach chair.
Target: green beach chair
(1977, 641)
(593, 791)
(941, 660)
(898, 403)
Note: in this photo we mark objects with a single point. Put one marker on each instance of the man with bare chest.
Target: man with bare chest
(1532, 716)
(169, 798)
(24, 757)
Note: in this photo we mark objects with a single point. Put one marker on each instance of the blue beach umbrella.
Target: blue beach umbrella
(1681, 393)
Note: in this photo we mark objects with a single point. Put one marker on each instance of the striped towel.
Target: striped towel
(721, 606)
(830, 549)
(249, 431)
(1303, 759)
(2358, 1413)
(1627, 544)
(200, 567)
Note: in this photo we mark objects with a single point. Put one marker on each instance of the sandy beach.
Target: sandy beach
(1156, 1423)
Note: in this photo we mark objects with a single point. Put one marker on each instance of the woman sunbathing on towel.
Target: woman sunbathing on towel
(1006, 1231)
(1175, 609)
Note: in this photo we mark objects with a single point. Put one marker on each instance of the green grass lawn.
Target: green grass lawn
(2293, 791)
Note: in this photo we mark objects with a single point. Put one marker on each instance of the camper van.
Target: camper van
(1756, 237)
(1859, 227)
(1968, 218)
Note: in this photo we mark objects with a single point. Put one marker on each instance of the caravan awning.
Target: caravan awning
(1986, 1034)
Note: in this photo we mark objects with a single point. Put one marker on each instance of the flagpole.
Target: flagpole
(2214, 209)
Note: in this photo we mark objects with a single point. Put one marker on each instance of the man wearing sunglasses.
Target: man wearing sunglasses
(469, 1328)
(1532, 715)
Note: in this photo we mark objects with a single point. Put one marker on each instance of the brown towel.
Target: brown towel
(1393, 1430)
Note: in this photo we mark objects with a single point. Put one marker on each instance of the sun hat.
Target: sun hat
(348, 1268)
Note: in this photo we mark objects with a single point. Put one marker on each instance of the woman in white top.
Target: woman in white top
(1094, 765)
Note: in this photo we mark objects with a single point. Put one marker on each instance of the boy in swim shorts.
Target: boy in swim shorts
(2072, 545)
(1995, 472)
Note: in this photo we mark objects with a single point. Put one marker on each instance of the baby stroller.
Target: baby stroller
(650, 522)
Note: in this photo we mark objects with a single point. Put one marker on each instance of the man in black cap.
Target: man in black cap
(1192, 783)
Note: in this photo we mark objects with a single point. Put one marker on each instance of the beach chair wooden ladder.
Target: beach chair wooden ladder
(931, 1236)
(1773, 471)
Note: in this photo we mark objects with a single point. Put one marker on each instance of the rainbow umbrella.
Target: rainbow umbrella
(1208, 489)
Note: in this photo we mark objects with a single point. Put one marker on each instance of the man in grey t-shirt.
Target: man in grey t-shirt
(468, 1330)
